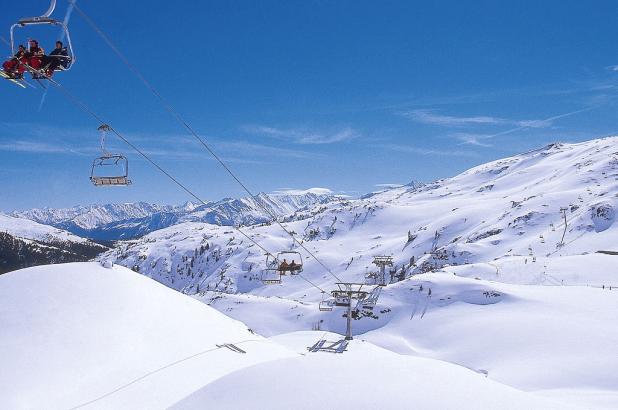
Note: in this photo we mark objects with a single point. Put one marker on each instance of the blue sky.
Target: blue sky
(347, 95)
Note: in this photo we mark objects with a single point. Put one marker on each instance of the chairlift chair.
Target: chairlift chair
(326, 305)
(109, 169)
(115, 162)
(271, 276)
(291, 256)
(46, 19)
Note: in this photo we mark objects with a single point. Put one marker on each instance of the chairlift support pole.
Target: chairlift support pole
(349, 292)
(382, 262)
(348, 329)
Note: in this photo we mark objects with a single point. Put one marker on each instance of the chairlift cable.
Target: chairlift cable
(89, 111)
(186, 125)
(84, 107)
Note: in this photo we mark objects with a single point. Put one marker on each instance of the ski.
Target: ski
(11, 79)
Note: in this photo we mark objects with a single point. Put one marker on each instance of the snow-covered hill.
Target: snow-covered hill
(25, 243)
(83, 336)
(133, 220)
(365, 377)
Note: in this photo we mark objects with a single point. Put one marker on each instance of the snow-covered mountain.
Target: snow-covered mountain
(25, 243)
(133, 220)
(91, 216)
(512, 209)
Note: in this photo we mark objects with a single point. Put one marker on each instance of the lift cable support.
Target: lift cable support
(346, 295)
(323, 345)
(379, 278)
(190, 129)
(84, 107)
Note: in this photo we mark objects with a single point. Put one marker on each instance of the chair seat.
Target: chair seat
(110, 181)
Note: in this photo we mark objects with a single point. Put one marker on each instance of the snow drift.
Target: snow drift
(79, 334)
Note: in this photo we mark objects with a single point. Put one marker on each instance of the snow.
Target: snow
(508, 295)
(133, 220)
(80, 333)
(26, 229)
(517, 316)
(365, 377)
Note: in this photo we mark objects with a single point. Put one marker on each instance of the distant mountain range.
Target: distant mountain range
(113, 222)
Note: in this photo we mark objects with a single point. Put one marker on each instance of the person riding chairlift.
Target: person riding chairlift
(59, 57)
(35, 55)
(283, 267)
(14, 67)
(293, 266)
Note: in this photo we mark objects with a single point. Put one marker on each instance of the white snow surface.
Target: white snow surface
(365, 377)
(82, 335)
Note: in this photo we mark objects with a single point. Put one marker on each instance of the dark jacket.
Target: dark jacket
(64, 62)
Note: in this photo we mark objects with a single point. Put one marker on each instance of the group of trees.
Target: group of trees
(17, 253)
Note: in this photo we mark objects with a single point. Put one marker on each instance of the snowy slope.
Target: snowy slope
(78, 333)
(365, 377)
(83, 336)
(27, 229)
(506, 210)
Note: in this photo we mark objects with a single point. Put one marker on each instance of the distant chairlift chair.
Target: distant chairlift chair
(109, 169)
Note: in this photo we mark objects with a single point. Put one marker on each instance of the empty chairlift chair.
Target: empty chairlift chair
(109, 169)
(271, 276)
(326, 305)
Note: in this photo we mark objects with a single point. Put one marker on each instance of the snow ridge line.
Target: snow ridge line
(167, 366)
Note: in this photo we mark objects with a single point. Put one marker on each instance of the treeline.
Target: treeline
(17, 253)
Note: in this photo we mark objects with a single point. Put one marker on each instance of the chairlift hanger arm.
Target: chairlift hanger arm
(42, 19)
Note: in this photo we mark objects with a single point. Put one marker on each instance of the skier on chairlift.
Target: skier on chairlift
(292, 267)
(283, 267)
(35, 55)
(59, 57)
(14, 67)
